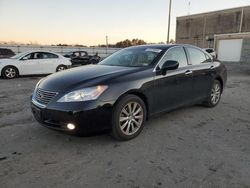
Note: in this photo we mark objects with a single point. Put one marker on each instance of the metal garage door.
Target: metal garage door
(230, 50)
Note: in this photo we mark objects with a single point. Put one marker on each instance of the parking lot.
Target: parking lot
(190, 147)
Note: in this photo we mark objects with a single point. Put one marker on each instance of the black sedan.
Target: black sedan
(124, 90)
(82, 58)
(6, 53)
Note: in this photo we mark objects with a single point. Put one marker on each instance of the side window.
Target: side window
(209, 59)
(83, 54)
(29, 56)
(76, 54)
(49, 56)
(175, 54)
(37, 56)
(196, 56)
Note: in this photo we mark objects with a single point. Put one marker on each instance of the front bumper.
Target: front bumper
(94, 117)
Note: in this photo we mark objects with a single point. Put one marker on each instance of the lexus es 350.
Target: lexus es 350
(124, 90)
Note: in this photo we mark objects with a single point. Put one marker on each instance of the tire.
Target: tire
(10, 72)
(61, 68)
(128, 118)
(214, 95)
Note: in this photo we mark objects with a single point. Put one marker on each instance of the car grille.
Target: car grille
(44, 97)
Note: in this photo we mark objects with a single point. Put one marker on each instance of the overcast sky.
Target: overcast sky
(89, 21)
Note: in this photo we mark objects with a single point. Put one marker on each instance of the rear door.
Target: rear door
(175, 88)
(202, 68)
(84, 58)
(49, 62)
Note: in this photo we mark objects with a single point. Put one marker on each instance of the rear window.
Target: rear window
(196, 56)
(49, 56)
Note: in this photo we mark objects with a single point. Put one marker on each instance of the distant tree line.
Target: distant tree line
(124, 43)
(127, 43)
(65, 45)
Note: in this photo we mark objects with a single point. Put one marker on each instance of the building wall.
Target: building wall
(245, 53)
(246, 20)
(200, 29)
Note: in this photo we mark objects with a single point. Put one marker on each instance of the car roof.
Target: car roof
(77, 51)
(37, 51)
(164, 46)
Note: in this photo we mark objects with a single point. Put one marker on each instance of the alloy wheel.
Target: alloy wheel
(10, 72)
(216, 93)
(61, 68)
(131, 118)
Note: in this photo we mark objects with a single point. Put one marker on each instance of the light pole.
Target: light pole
(169, 19)
(107, 44)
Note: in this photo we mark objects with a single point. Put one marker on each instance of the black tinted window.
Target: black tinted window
(209, 50)
(76, 54)
(83, 54)
(196, 56)
(49, 56)
(29, 56)
(37, 56)
(175, 54)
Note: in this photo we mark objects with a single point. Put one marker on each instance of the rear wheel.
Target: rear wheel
(10, 72)
(61, 68)
(128, 118)
(214, 94)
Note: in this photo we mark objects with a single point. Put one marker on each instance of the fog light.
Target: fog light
(71, 126)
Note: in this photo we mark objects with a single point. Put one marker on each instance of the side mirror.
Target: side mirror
(168, 65)
(24, 58)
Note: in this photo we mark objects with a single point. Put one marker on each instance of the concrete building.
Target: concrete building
(228, 31)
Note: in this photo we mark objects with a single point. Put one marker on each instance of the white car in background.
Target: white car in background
(33, 63)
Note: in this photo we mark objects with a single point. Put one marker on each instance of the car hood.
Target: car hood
(85, 76)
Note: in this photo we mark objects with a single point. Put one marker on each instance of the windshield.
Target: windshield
(133, 57)
(17, 56)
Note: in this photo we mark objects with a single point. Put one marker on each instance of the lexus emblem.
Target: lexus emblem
(40, 96)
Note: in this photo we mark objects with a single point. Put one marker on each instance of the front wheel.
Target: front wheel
(214, 94)
(61, 68)
(128, 118)
(10, 72)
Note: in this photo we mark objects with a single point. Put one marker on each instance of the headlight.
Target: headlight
(86, 94)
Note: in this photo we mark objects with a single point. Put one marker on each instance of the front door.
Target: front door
(30, 65)
(175, 88)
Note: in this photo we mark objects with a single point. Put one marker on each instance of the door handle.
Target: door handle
(212, 67)
(188, 72)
